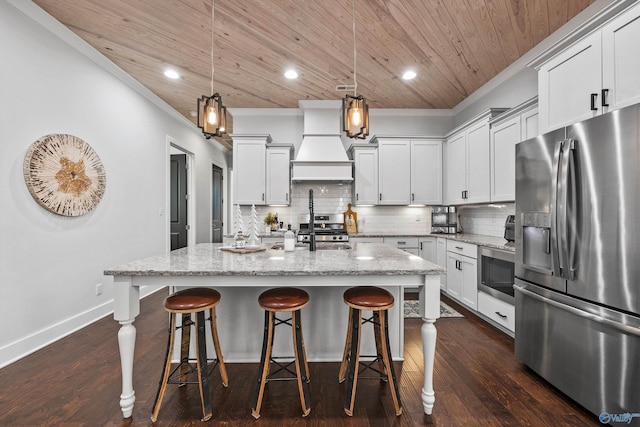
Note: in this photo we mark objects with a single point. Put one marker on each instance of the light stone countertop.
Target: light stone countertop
(206, 259)
(476, 239)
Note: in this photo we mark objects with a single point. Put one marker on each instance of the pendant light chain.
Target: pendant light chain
(353, 16)
(212, 115)
(212, 40)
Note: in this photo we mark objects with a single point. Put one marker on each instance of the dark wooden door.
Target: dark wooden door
(216, 208)
(178, 207)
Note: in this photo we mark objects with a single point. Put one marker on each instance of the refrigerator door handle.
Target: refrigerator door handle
(572, 214)
(576, 311)
(555, 261)
(561, 208)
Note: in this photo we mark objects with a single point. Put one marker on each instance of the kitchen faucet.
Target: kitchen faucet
(312, 231)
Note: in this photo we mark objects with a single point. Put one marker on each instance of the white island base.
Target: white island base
(240, 320)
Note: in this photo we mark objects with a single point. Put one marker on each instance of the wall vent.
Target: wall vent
(345, 88)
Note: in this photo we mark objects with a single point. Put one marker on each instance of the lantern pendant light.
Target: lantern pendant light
(212, 115)
(355, 111)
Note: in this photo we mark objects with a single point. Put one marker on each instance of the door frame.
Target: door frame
(173, 147)
(225, 197)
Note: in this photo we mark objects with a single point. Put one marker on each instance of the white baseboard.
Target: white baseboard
(16, 350)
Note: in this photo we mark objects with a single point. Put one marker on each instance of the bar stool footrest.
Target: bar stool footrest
(193, 369)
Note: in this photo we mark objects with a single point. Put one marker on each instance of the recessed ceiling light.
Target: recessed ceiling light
(291, 74)
(172, 74)
(409, 75)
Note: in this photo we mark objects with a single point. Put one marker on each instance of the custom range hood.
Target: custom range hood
(321, 155)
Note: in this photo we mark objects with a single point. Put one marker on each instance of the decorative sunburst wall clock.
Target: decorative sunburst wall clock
(64, 174)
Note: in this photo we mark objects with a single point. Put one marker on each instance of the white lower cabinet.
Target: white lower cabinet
(428, 249)
(407, 244)
(497, 310)
(462, 273)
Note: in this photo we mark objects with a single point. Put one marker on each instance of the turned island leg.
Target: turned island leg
(126, 308)
(429, 311)
(429, 334)
(127, 343)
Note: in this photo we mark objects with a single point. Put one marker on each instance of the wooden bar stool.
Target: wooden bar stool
(377, 300)
(187, 302)
(278, 300)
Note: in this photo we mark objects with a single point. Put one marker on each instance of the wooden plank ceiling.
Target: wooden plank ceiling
(455, 46)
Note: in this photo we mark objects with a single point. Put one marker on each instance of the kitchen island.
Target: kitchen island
(324, 273)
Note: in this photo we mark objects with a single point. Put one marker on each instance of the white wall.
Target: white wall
(286, 125)
(50, 265)
(512, 92)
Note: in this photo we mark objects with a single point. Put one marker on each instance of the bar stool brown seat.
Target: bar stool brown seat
(377, 300)
(282, 300)
(189, 302)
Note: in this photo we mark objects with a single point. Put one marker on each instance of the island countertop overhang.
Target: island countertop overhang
(206, 259)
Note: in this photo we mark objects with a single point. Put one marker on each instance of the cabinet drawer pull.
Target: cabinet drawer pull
(263, 197)
(605, 92)
(380, 196)
(594, 96)
(459, 248)
(503, 316)
(413, 197)
(357, 196)
(401, 243)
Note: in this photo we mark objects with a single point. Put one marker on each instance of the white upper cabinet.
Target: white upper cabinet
(456, 169)
(249, 168)
(426, 172)
(409, 171)
(596, 74)
(530, 123)
(278, 178)
(478, 181)
(365, 164)
(569, 84)
(504, 137)
(515, 125)
(394, 171)
(620, 59)
(467, 162)
(262, 171)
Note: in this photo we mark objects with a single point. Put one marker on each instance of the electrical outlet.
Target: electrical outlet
(99, 289)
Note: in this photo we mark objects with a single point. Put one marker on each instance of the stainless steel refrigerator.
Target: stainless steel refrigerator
(577, 285)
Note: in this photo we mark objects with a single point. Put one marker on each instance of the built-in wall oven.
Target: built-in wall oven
(496, 270)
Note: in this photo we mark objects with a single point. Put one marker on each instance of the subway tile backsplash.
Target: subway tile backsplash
(333, 198)
(485, 219)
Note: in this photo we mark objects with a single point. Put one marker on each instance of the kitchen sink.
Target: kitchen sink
(320, 246)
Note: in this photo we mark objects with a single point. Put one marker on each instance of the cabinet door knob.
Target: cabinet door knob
(605, 92)
(594, 96)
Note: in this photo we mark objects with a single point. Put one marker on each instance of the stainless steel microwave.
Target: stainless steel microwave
(496, 270)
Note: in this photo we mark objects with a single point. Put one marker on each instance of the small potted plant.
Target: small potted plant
(271, 221)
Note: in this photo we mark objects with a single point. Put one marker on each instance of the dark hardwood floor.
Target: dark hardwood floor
(478, 382)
